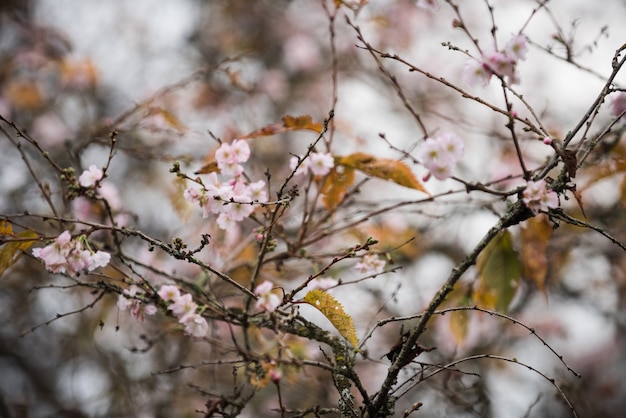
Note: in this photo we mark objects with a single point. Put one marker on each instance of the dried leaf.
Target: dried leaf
(25, 95)
(289, 123)
(459, 322)
(209, 167)
(500, 270)
(336, 185)
(6, 228)
(168, 117)
(535, 235)
(384, 168)
(177, 199)
(333, 310)
(12, 250)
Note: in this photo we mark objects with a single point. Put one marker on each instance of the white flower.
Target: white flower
(195, 325)
(320, 164)
(90, 177)
(268, 300)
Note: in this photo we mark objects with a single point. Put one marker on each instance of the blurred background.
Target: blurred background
(169, 76)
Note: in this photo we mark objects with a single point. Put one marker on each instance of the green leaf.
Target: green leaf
(333, 310)
(500, 271)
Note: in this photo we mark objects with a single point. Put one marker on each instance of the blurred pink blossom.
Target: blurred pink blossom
(370, 264)
(537, 197)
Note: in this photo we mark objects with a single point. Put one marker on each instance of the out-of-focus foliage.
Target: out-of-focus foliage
(507, 307)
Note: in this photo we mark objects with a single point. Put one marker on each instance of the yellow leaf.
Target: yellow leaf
(459, 322)
(500, 270)
(333, 310)
(535, 235)
(384, 168)
(288, 123)
(336, 185)
(6, 228)
(177, 199)
(12, 250)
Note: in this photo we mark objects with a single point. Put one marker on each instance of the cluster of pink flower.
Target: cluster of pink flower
(537, 197)
(232, 200)
(318, 163)
(501, 63)
(130, 300)
(370, 264)
(441, 154)
(65, 255)
(184, 308)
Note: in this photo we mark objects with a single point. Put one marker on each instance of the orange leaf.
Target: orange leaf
(289, 123)
(12, 250)
(209, 167)
(333, 310)
(6, 228)
(336, 185)
(535, 235)
(24, 94)
(384, 168)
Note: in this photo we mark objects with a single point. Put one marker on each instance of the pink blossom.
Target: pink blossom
(169, 293)
(257, 191)
(195, 325)
(268, 300)
(90, 177)
(517, 47)
(441, 154)
(183, 305)
(502, 64)
(54, 255)
(323, 283)
(618, 105)
(370, 264)
(537, 197)
(241, 150)
(129, 300)
(475, 73)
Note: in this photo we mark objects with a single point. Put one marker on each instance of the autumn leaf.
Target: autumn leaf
(177, 199)
(336, 185)
(333, 310)
(459, 325)
(25, 95)
(499, 270)
(12, 250)
(6, 228)
(209, 167)
(168, 117)
(288, 123)
(535, 235)
(383, 168)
